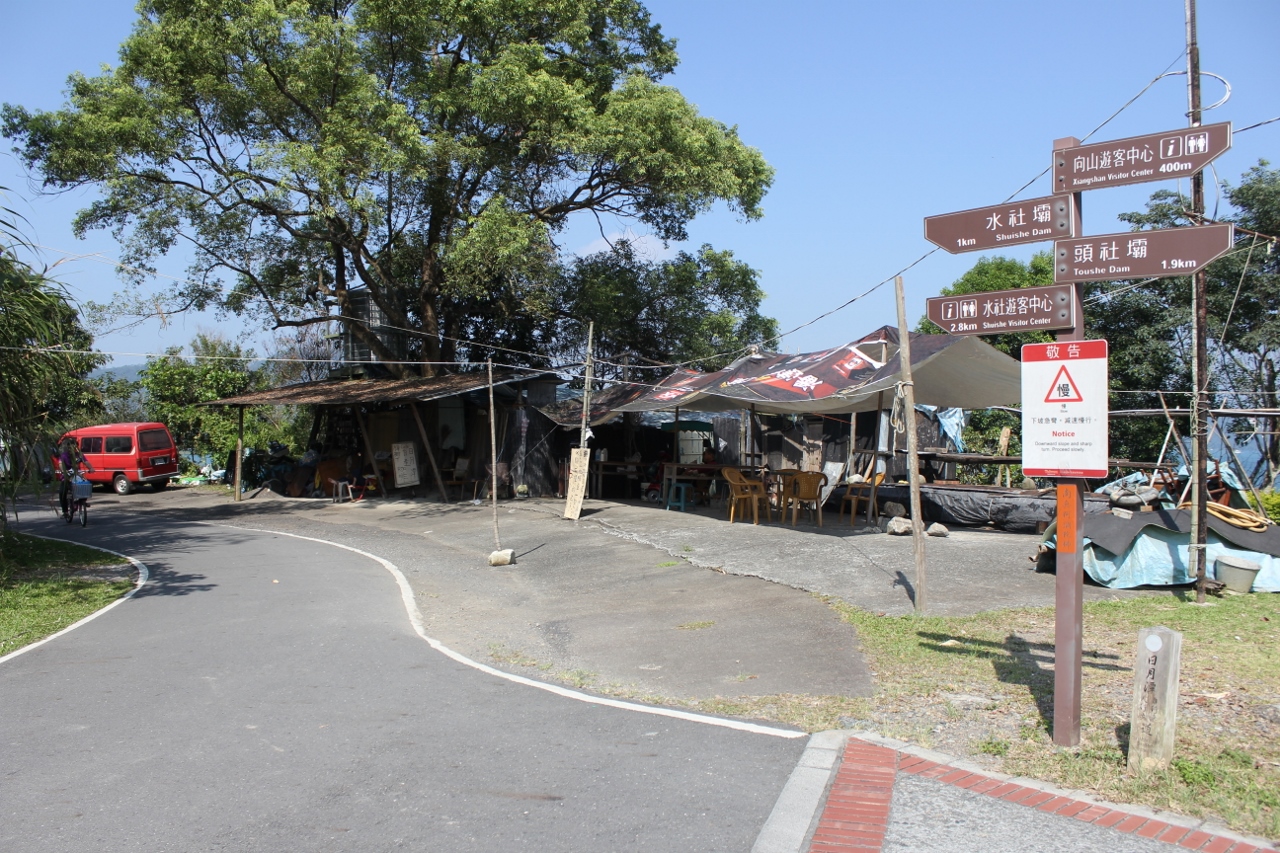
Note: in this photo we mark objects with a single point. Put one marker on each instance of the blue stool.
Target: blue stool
(681, 489)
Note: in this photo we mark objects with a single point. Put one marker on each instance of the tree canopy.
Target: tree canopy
(427, 150)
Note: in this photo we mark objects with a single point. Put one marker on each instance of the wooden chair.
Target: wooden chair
(806, 490)
(856, 493)
(743, 491)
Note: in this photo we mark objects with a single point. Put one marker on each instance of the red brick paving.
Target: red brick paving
(856, 814)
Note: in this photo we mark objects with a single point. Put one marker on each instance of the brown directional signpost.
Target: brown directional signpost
(1140, 254)
(998, 312)
(1007, 224)
(1152, 157)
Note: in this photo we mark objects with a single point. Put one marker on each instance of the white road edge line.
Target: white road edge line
(415, 619)
(143, 576)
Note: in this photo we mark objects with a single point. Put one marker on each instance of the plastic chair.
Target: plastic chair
(856, 493)
(680, 489)
(743, 491)
(806, 489)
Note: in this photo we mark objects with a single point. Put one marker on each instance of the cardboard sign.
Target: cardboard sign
(404, 460)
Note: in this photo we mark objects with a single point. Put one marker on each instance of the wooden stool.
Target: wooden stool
(682, 489)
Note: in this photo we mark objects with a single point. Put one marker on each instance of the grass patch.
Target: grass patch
(695, 626)
(670, 563)
(46, 586)
(1228, 737)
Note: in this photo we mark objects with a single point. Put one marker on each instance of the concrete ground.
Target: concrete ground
(660, 603)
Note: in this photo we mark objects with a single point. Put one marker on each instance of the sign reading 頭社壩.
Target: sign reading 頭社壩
(1140, 254)
(1064, 409)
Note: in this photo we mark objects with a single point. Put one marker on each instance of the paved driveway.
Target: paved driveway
(263, 692)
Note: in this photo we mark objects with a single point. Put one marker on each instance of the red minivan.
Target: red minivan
(127, 455)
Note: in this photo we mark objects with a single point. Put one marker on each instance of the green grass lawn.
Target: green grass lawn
(46, 586)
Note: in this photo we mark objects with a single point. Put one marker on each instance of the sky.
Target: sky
(874, 115)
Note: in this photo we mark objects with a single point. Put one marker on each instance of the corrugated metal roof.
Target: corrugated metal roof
(353, 391)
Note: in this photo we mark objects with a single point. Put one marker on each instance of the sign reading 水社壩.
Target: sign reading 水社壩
(1013, 222)
(1151, 157)
(1140, 254)
(1064, 409)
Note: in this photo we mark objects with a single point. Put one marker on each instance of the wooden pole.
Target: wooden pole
(586, 388)
(1199, 337)
(426, 446)
(913, 455)
(368, 449)
(875, 457)
(239, 450)
(493, 459)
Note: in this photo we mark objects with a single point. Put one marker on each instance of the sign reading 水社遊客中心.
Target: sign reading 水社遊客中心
(1140, 254)
(1151, 157)
(997, 312)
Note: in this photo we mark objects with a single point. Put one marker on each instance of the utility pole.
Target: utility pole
(913, 456)
(1199, 350)
(586, 386)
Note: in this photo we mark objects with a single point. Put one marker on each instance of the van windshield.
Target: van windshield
(154, 439)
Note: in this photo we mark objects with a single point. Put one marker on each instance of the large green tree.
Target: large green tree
(44, 359)
(427, 150)
(1243, 307)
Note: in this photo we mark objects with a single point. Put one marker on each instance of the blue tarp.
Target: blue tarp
(1159, 557)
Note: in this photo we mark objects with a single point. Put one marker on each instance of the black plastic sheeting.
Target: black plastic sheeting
(986, 506)
(1116, 534)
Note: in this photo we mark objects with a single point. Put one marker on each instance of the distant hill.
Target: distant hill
(127, 372)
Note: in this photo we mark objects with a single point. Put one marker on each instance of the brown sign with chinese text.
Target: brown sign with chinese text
(1140, 254)
(1151, 157)
(1027, 309)
(1008, 224)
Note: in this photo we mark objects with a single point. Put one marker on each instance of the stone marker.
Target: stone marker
(937, 529)
(1155, 698)
(505, 557)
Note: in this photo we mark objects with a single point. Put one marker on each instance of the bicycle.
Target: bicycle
(78, 505)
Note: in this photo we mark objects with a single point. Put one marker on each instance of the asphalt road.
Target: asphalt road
(262, 692)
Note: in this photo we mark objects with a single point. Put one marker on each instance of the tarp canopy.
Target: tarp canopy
(948, 372)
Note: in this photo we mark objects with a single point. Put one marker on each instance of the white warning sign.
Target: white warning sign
(1064, 409)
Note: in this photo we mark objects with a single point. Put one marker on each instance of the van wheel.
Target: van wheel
(159, 485)
(121, 484)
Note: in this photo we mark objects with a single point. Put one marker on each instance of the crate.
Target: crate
(81, 490)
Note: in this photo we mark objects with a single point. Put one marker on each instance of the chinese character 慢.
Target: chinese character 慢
(1064, 390)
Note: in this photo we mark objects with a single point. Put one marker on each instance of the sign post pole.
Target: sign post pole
(1068, 593)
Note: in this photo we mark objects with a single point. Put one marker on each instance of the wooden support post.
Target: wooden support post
(493, 459)
(1155, 699)
(239, 478)
(431, 457)
(913, 455)
(368, 450)
(1068, 624)
(875, 458)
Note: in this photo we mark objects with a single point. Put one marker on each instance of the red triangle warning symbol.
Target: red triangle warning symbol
(1064, 389)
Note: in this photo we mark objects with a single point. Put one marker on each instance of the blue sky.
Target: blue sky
(875, 115)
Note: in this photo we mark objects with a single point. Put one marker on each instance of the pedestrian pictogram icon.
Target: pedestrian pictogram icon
(1064, 389)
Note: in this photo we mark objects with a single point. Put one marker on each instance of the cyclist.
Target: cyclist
(67, 463)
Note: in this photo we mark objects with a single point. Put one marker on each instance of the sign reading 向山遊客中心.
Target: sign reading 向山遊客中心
(1151, 157)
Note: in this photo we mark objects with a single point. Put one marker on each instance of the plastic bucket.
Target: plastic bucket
(1236, 572)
